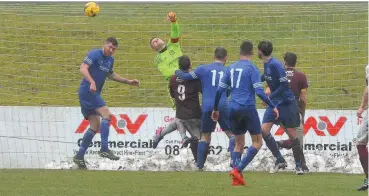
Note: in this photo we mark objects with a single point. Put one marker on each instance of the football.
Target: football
(91, 9)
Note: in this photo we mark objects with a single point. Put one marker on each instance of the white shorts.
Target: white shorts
(192, 126)
(362, 135)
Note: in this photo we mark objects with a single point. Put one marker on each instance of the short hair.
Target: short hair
(266, 47)
(220, 53)
(184, 63)
(246, 48)
(290, 58)
(112, 40)
(151, 41)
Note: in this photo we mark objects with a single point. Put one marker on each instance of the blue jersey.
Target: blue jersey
(210, 76)
(244, 80)
(276, 78)
(99, 68)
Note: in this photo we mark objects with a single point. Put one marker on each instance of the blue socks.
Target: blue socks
(272, 145)
(251, 152)
(104, 132)
(236, 158)
(231, 145)
(86, 141)
(202, 148)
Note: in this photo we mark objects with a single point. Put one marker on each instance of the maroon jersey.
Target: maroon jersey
(297, 81)
(186, 95)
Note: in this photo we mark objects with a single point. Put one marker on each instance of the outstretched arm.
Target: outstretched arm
(115, 77)
(192, 75)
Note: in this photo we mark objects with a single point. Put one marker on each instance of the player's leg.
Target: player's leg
(268, 122)
(362, 141)
(300, 137)
(94, 121)
(238, 130)
(193, 127)
(288, 144)
(182, 132)
(252, 123)
(225, 124)
(172, 126)
(237, 177)
(290, 119)
(207, 127)
(106, 116)
(203, 149)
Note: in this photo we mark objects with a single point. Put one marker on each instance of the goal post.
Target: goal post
(43, 44)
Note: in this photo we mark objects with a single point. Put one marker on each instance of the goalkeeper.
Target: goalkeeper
(167, 61)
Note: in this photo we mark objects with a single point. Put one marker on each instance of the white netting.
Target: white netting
(43, 44)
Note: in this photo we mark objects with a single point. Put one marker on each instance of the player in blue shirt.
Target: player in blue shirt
(97, 65)
(244, 80)
(210, 75)
(282, 97)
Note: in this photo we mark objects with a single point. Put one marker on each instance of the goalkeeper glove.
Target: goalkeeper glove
(172, 17)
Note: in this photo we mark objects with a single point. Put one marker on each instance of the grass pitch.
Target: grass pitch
(43, 44)
(64, 182)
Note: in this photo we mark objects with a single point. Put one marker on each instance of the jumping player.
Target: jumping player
(97, 65)
(166, 61)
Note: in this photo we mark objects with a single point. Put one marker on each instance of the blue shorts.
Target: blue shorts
(208, 125)
(89, 103)
(243, 119)
(289, 115)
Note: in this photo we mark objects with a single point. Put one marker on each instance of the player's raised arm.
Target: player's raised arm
(192, 75)
(281, 74)
(174, 33)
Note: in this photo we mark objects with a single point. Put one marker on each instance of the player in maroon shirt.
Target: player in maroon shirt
(298, 84)
(185, 94)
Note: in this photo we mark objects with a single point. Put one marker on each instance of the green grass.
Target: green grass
(48, 182)
(42, 46)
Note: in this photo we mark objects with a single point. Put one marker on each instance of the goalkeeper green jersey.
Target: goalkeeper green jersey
(167, 59)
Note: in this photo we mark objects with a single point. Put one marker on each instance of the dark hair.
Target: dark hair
(266, 47)
(290, 58)
(112, 40)
(246, 48)
(220, 53)
(184, 63)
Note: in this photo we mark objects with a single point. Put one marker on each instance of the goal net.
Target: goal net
(43, 44)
